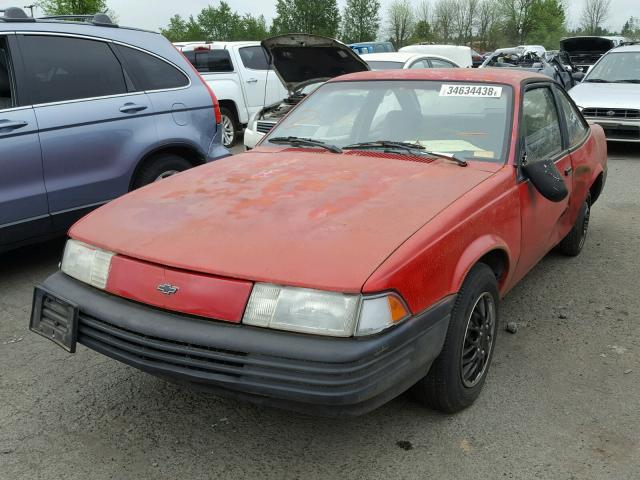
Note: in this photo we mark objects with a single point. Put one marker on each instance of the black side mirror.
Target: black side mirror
(577, 76)
(546, 178)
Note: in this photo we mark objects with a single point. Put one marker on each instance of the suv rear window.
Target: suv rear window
(150, 72)
(208, 61)
(65, 68)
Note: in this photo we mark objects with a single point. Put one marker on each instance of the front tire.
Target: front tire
(457, 376)
(574, 242)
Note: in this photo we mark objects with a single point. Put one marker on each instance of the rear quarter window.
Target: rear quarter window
(210, 61)
(149, 72)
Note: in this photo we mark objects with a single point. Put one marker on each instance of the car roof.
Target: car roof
(626, 48)
(487, 75)
(399, 56)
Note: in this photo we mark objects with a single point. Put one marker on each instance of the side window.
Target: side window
(420, 64)
(6, 100)
(540, 125)
(151, 73)
(437, 63)
(210, 61)
(65, 68)
(254, 58)
(575, 126)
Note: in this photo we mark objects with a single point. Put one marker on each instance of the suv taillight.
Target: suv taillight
(214, 99)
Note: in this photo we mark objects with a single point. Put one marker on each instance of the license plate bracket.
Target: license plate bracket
(55, 318)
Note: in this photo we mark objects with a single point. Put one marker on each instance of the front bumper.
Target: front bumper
(252, 137)
(313, 374)
(618, 130)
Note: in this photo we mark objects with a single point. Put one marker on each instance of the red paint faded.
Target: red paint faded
(308, 219)
(202, 295)
(343, 222)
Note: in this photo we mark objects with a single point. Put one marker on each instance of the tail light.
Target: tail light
(214, 99)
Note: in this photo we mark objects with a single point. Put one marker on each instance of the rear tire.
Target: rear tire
(230, 127)
(574, 242)
(457, 376)
(159, 167)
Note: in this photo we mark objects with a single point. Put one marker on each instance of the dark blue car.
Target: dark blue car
(88, 112)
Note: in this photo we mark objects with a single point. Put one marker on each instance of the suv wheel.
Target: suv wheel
(160, 167)
(229, 127)
(458, 374)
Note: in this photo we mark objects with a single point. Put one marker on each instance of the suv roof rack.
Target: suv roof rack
(15, 14)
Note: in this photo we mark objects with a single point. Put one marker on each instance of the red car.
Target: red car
(362, 249)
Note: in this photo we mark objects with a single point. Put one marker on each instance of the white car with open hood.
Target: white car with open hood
(302, 62)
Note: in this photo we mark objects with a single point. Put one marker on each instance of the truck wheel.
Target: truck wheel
(573, 243)
(160, 167)
(458, 374)
(229, 127)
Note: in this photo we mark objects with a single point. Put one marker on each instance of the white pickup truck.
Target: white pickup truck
(239, 74)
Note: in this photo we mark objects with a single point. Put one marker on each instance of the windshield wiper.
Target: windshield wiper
(307, 142)
(408, 146)
(384, 144)
(628, 80)
(596, 80)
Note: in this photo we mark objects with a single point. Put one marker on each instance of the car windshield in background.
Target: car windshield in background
(470, 120)
(385, 65)
(616, 67)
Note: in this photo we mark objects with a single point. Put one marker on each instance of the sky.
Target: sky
(153, 14)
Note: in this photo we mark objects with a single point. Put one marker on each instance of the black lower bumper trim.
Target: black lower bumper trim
(321, 375)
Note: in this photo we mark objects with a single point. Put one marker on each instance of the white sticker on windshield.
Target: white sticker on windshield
(470, 91)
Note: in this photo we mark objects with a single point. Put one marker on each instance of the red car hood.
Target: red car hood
(303, 218)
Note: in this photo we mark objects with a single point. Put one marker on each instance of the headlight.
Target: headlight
(322, 313)
(86, 263)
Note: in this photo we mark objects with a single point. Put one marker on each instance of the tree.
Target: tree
(548, 23)
(631, 28)
(466, 11)
(517, 19)
(220, 23)
(401, 20)
(360, 21)
(74, 7)
(445, 17)
(594, 14)
(181, 30)
(422, 31)
(320, 17)
(488, 24)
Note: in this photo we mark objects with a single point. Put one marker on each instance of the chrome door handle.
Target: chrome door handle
(252, 80)
(568, 171)
(8, 125)
(132, 108)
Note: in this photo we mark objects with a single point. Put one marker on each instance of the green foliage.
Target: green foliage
(360, 21)
(74, 7)
(548, 23)
(320, 17)
(216, 23)
(631, 28)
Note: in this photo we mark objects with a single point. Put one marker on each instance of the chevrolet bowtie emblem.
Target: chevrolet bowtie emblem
(167, 289)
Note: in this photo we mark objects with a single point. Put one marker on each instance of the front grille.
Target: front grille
(264, 126)
(202, 363)
(613, 113)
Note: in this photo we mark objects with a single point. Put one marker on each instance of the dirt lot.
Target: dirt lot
(562, 400)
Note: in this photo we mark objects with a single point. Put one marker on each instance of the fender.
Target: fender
(472, 255)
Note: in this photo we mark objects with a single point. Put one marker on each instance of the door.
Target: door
(542, 139)
(88, 120)
(23, 199)
(261, 85)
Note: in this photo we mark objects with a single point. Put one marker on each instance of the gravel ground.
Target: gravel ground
(561, 402)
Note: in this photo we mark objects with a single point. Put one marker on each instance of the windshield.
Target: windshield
(616, 67)
(380, 65)
(471, 120)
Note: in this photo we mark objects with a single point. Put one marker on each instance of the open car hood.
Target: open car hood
(586, 45)
(300, 59)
